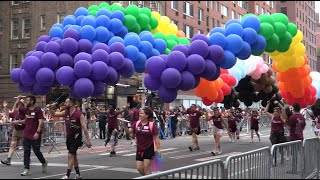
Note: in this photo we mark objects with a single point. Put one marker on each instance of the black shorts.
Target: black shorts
(73, 144)
(148, 154)
(110, 131)
(277, 137)
(256, 128)
(234, 129)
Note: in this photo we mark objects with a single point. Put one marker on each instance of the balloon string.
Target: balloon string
(55, 101)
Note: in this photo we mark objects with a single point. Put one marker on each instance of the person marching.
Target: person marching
(75, 122)
(254, 125)
(232, 126)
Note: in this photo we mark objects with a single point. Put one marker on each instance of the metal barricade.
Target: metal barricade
(311, 147)
(4, 136)
(250, 165)
(287, 160)
(54, 133)
(204, 126)
(206, 170)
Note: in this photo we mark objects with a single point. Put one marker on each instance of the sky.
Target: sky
(317, 6)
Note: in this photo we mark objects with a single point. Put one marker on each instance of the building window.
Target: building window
(223, 25)
(207, 21)
(272, 4)
(187, 8)
(200, 31)
(283, 10)
(239, 17)
(188, 30)
(224, 10)
(174, 22)
(257, 8)
(233, 2)
(233, 14)
(43, 22)
(25, 2)
(14, 28)
(1, 27)
(268, 3)
(1, 61)
(13, 61)
(207, 3)
(218, 5)
(262, 10)
(240, 4)
(15, 3)
(268, 13)
(200, 14)
(174, 5)
(26, 28)
(60, 18)
(212, 22)
(218, 23)
(212, 5)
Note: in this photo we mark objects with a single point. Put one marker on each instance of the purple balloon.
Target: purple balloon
(197, 81)
(82, 69)
(49, 60)
(38, 89)
(182, 49)
(99, 88)
(101, 46)
(170, 78)
(201, 37)
(69, 46)
(216, 54)
(26, 78)
(55, 38)
(37, 54)
(31, 64)
(188, 81)
(195, 64)
(83, 56)
(65, 60)
(100, 55)
(209, 71)
(112, 76)
(44, 38)
(152, 84)
(84, 45)
(83, 87)
(15, 75)
(116, 60)
(59, 41)
(99, 71)
(199, 47)
(24, 89)
(53, 47)
(117, 47)
(71, 33)
(177, 60)
(117, 80)
(40, 46)
(45, 77)
(65, 76)
(164, 57)
(29, 53)
(217, 74)
(155, 66)
(167, 95)
(128, 69)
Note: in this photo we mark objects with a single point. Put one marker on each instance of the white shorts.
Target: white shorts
(217, 130)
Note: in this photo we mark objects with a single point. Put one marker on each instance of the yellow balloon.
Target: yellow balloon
(275, 53)
(156, 15)
(281, 67)
(300, 50)
(297, 38)
(165, 20)
(299, 61)
(290, 51)
(174, 28)
(118, 4)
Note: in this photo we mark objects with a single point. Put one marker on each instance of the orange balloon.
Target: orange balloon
(213, 96)
(181, 34)
(307, 81)
(305, 59)
(281, 86)
(274, 66)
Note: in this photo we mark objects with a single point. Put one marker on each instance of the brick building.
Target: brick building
(318, 40)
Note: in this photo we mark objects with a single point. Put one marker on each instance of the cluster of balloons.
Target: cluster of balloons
(261, 68)
(171, 40)
(165, 25)
(265, 82)
(231, 100)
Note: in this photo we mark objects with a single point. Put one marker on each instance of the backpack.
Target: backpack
(151, 124)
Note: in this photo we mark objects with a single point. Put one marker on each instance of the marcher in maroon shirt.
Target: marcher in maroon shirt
(134, 117)
(194, 116)
(232, 125)
(33, 120)
(147, 136)
(296, 124)
(75, 123)
(255, 124)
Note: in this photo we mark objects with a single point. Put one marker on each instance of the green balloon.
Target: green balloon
(143, 20)
(103, 4)
(266, 30)
(171, 44)
(133, 10)
(266, 18)
(279, 29)
(292, 29)
(145, 11)
(257, 53)
(93, 13)
(160, 35)
(153, 22)
(129, 21)
(285, 42)
(93, 7)
(113, 5)
(136, 29)
(184, 40)
(272, 44)
(147, 28)
(279, 17)
(118, 7)
(173, 37)
(246, 15)
(167, 51)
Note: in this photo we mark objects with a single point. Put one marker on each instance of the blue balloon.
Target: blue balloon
(147, 37)
(146, 48)
(102, 34)
(139, 70)
(66, 28)
(131, 33)
(229, 60)
(57, 25)
(123, 32)
(217, 38)
(111, 35)
(249, 35)
(144, 32)
(115, 39)
(56, 32)
(260, 44)
(79, 19)
(234, 28)
(160, 45)
(88, 32)
(141, 61)
(154, 52)
(81, 11)
(251, 22)
(95, 42)
(230, 21)
(71, 20)
(115, 25)
(118, 15)
(234, 43)
(103, 12)
(76, 27)
(131, 52)
(132, 40)
(218, 29)
(245, 51)
(103, 20)
(88, 20)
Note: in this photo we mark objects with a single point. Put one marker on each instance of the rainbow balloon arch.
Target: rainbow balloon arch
(96, 46)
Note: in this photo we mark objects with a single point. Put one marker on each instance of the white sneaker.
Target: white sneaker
(133, 143)
(65, 177)
(26, 172)
(77, 176)
(45, 167)
(219, 152)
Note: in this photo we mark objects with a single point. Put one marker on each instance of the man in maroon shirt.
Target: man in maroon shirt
(296, 124)
(33, 120)
(134, 117)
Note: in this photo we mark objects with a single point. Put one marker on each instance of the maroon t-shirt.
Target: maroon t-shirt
(112, 119)
(255, 121)
(32, 121)
(231, 122)
(194, 116)
(144, 136)
(297, 123)
(74, 120)
(217, 122)
(15, 115)
(277, 125)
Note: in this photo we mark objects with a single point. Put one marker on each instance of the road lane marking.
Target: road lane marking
(162, 150)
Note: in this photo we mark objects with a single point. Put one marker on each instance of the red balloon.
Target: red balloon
(220, 96)
(232, 81)
(206, 101)
(226, 89)
(223, 71)
(313, 90)
(313, 100)
(225, 78)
